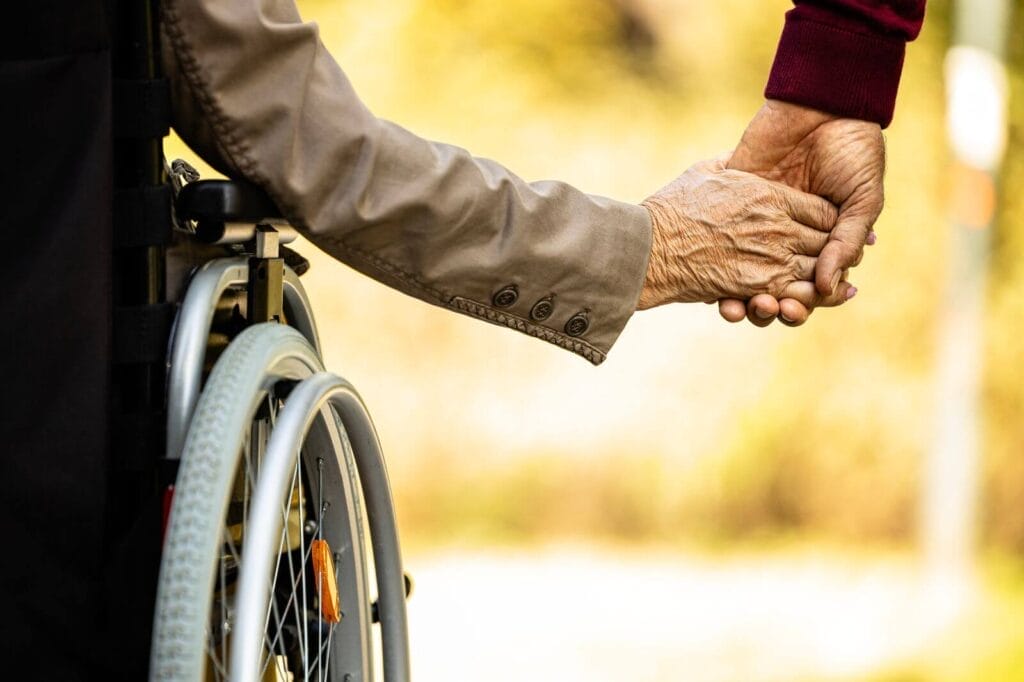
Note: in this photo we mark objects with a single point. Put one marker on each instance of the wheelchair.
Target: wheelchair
(281, 480)
(275, 494)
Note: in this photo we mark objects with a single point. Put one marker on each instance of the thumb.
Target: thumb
(715, 164)
(843, 251)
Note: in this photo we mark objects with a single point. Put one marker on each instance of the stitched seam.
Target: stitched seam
(385, 266)
(514, 322)
(235, 147)
(239, 153)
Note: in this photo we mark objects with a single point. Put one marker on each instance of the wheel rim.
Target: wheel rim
(308, 457)
(323, 394)
(195, 610)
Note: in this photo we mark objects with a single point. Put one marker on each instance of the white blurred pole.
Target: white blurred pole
(976, 115)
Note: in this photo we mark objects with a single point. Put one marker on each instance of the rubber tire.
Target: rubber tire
(257, 359)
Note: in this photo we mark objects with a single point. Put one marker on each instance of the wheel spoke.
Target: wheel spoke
(301, 619)
(223, 603)
(273, 610)
(320, 535)
(218, 665)
(324, 653)
(286, 532)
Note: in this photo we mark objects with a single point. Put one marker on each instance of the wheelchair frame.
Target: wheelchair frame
(151, 383)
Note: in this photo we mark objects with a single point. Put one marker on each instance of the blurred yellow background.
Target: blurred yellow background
(715, 502)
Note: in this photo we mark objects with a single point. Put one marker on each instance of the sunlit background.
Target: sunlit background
(843, 501)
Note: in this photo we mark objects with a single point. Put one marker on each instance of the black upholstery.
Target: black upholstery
(225, 201)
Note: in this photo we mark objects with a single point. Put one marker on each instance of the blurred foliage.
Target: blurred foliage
(579, 45)
(820, 432)
(1003, 498)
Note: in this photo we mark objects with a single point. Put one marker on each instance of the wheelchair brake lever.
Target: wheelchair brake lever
(180, 173)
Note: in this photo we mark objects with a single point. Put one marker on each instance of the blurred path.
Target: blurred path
(567, 614)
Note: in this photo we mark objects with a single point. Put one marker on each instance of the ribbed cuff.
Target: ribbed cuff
(837, 70)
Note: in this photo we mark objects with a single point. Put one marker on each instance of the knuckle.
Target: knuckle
(769, 196)
(777, 285)
(829, 214)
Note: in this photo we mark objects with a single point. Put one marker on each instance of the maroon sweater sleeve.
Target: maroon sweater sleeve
(845, 56)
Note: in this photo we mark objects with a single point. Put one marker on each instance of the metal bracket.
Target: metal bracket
(266, 278)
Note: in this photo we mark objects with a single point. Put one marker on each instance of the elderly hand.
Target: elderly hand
(721, 233)
(842, 160)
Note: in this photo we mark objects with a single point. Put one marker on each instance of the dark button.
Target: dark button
(542, 309)
(506, 297)
(577, 324)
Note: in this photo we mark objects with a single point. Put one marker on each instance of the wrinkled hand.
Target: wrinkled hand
(722, 233)
(840, 159)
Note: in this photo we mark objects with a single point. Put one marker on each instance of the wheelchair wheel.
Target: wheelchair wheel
(211, 528)
(316, 401)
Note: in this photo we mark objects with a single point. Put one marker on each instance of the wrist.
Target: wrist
(776, 131)
(675, 241)
(653, 292)
(797, 116)
(823, 62)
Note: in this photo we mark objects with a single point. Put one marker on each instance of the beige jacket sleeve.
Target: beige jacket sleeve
(257, 95)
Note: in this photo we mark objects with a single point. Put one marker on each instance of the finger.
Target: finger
(732, 310)
(762, 310)
(803, 267)
(842, 251)
(803, 293)
(844, 292)
(809, 209)
(856, 262)
(716, 164)
(806, 294)
(809, 241)
(724, 158)
(872, 238)
(792, 312)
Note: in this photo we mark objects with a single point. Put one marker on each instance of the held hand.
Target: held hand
(721, 233)
(842, 160)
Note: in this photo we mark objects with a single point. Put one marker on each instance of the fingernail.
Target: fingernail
(872, 238)
(835, 280)
(783, 316)
(762, 314)
(851, 292)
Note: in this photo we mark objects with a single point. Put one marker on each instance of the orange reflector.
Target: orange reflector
(326, 583)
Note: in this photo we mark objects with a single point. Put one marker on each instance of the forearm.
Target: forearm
(845, 57)
(257, 93)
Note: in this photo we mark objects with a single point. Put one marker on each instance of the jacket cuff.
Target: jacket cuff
(601, 281)
(837, 70)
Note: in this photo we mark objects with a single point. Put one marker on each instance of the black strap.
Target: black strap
(142, 108)
(141, 333)
(142, 216)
